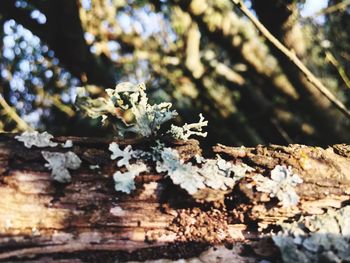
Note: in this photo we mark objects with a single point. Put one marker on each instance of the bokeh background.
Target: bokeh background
(204, 56)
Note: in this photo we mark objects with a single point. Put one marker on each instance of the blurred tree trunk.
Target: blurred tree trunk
(87, 221)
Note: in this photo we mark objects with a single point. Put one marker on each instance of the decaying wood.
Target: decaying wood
(88, 221)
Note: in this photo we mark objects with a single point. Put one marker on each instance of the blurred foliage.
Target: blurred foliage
(201, 55)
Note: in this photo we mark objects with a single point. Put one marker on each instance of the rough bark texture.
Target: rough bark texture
(88, 221)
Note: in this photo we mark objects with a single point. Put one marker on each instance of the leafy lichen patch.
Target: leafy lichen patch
(146, 119)
(216, 174)
(318, 238)
(37, 139)
(281, 185)
(127, 97)
(124, 155)
(124, 181)
(59, 163)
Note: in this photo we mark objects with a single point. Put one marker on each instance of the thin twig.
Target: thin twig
(293, 57)
(338, 67)
(331, 9)
(21, 124)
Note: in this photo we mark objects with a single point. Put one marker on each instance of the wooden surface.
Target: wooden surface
(88, 221)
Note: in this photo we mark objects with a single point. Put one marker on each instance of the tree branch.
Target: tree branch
(21, 124)
(88, 221)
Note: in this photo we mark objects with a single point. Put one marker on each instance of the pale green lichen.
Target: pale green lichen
(146, 120)
(318, 238)
(124, 181)
(37, 139)
(185, 175)
(123, 155)
(212, 173)
(184, 132)
(94, 108)
(281, 185)
(59, 163)
(127, 97)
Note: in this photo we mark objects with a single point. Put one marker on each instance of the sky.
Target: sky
(313, 6)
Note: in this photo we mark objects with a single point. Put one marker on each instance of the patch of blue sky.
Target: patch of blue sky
(65, 97)
(9, 41)
(21, 4)
(113, 45)
(25, 66)
(48, 74)
(38, 16)
(38, 82)
(90, 38)
(311, 7)
(86, 4)
(125, 22)
(8, 53)
(5, 74)
(33, 118)
(17, 83)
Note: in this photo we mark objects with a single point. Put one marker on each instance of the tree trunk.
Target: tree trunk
(88, 221)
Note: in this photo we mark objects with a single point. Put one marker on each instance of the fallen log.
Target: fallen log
(86, 220)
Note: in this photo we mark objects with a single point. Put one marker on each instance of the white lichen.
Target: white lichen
(186, 131)
(67, 144)
(36, 139)
(318, 238)
(281, 185)
(184, 175)
(124, 181)
(124, 155)
(213, 173)
(94, 167)
(59, 163)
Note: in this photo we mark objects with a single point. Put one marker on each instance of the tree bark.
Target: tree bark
(88, 221)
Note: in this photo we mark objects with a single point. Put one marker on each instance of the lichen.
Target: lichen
(317, 238)
(184, 132)
(37, 139)
(183, 174)
(124, 155)
(59, 163)
(213, 173)
(67, 144)
(124, 181)
(281, 185)
(127, 98)
(94, 167)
